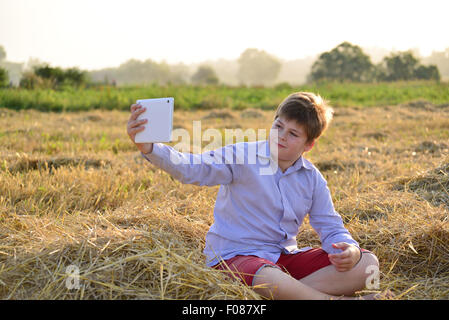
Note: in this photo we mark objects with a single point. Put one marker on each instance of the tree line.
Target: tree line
(348, 62)
(345, 62)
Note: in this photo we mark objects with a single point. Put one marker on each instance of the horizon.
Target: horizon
(85, 34)
(217, 59)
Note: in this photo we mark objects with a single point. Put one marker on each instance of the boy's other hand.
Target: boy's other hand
(135, 126)
(345, 260)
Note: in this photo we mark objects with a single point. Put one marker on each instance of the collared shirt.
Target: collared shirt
(259, 209)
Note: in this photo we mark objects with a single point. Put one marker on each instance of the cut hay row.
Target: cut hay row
(432, 185)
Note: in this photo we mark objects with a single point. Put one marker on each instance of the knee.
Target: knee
(369, 260)
(368, 264)
(367, 269)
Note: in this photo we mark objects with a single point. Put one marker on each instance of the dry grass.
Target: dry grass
(74, 191)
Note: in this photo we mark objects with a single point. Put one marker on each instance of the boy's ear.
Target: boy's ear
(309, 145)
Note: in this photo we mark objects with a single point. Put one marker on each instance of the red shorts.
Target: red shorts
(298, 265)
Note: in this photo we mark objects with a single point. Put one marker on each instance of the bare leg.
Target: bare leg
(326, 283)
(273, 283)
(331, 281)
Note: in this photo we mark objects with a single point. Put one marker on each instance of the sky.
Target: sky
(94, 34)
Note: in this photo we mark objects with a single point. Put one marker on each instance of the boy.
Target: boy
(257, 216)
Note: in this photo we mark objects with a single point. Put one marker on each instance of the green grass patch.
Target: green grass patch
(189, 97)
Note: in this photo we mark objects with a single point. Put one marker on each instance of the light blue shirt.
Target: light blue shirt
(256, 214)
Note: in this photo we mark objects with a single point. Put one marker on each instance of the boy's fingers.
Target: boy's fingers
(134, 107)
(136, 123)
(341, 255)
(136, 129)
(344, 263)
(343, 259)
(337, 261)
(340, 266)
(132, 124)
(340, 245)
(136, 113)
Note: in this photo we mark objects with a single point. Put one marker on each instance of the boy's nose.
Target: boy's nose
(281, 135)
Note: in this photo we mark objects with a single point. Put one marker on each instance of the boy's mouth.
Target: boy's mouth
(274, 142)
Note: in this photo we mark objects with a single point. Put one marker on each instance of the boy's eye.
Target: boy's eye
(279, 126)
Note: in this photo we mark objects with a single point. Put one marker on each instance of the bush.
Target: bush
(404, 66)
(32, 81)
(4, 78)
(427, 73)
(46, 77)
(205, 75)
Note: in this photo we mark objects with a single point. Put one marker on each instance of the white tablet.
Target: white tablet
(159, 113)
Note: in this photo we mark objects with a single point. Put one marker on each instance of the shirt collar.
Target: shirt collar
(263, 151)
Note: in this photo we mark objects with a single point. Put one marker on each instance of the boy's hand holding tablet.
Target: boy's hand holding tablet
(135, 126)
(160, 113)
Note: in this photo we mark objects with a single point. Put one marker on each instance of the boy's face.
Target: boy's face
(292, 139)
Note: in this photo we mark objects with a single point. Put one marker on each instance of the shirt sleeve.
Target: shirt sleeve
(325, 220)
(206, 169)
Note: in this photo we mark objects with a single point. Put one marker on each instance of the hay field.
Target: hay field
(74, 191)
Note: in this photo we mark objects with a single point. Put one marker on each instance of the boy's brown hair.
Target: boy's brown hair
(309, 110)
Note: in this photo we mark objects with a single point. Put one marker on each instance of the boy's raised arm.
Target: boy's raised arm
(208, 168)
